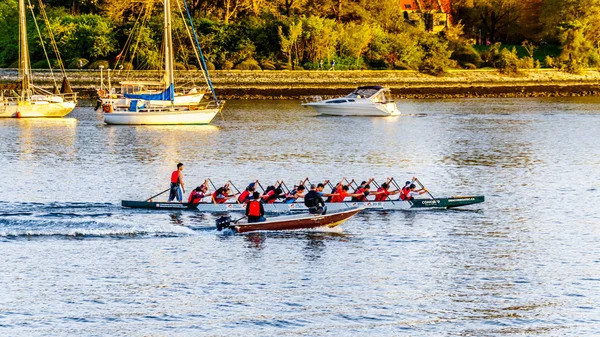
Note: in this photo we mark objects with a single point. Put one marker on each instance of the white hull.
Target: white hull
(39, 109)
(355, 109)
(160, 117)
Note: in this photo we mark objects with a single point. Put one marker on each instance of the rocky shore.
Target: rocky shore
(281, 84)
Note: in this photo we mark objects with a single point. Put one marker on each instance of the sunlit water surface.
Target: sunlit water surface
(526, 262)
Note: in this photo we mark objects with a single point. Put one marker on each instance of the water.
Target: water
(526, 262)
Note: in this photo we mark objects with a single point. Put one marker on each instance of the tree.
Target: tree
(356, 39)
(289, 41)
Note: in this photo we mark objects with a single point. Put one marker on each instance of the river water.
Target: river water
(524, 263)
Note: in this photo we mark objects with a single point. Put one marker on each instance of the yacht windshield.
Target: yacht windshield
(363, 92)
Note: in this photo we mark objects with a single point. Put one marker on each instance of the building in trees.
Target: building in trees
(435, 14)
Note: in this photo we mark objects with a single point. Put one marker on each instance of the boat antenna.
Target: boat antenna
(210, 85)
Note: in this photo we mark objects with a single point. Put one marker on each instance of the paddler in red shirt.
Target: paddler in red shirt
(177, 185)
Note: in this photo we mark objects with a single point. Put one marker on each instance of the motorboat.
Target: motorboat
(289, 222)
(364, 101)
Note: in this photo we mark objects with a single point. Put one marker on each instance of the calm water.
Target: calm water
(525, 263)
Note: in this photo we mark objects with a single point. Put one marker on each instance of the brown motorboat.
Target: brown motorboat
(291, 222)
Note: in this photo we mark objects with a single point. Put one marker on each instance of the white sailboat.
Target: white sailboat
(29, 100)
(141, 104)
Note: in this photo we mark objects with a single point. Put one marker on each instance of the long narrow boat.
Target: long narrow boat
(389, 205)
(291, 222)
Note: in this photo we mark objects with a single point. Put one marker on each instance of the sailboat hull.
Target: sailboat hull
(36, 109)
(188, 117)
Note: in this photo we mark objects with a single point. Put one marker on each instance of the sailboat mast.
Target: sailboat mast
(24, 70)
(169, 76)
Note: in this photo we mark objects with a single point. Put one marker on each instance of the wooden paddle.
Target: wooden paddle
(423, 187)
(154, 196)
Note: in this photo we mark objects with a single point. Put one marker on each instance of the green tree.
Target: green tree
(289, 41)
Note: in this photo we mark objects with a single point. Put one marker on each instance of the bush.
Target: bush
(43, 64)
(227, 65)
(469, 66)
(126, 66)
(284, 66)
(508, 61)
(491, 56)
(74, 63)
(248, 64)
(96, 64)
(526, 63)
(267, 65)
(209, 66)
(179, 66)
(466, 55)
(298, 68)
(549, 62)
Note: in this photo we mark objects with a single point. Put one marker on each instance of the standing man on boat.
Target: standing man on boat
(255, 210)
(177, 185)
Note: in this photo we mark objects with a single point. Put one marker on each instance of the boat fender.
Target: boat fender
(18, 114)
(223, 222)
(107, 108)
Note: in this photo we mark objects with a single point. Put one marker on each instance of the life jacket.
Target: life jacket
(218, 198)
(243, 196)
(175, 177)
(254, 208)
(382, 196)
(362, 197)
(290, 196)
(195, 197)
(333, 191)
(404, 193)
(268, 194)
(340, 197)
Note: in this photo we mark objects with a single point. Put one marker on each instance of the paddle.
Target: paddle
(423, 187)
(215, 188)
(236, 199)
(154, 196)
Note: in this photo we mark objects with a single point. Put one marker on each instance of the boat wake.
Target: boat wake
(83, 221)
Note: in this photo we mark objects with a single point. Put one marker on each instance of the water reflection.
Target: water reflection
(44, 137)
(169, 143)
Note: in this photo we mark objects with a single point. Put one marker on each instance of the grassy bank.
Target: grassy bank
(404, 84)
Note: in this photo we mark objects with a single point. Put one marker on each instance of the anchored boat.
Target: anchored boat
(161, 103)
(30, 100)
(389, 205)
(291, 222)
(364, 101)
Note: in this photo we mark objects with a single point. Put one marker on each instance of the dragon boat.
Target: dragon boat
(389, 205)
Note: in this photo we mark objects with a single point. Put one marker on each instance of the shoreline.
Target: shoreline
(404, 84)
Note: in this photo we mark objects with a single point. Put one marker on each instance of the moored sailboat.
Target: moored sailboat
(141, 104)
(28, 100)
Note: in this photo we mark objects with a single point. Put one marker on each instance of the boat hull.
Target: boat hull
(204, 116)
(36, 109)
(295, 222)
(348, 109)
(390, 205)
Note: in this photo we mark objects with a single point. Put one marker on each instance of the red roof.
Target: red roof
(426, 5)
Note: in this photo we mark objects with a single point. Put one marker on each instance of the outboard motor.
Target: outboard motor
(223, 222)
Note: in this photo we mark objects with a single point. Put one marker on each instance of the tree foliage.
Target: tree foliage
(249, 34)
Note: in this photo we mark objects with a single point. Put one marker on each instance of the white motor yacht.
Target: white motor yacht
(364, 101)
